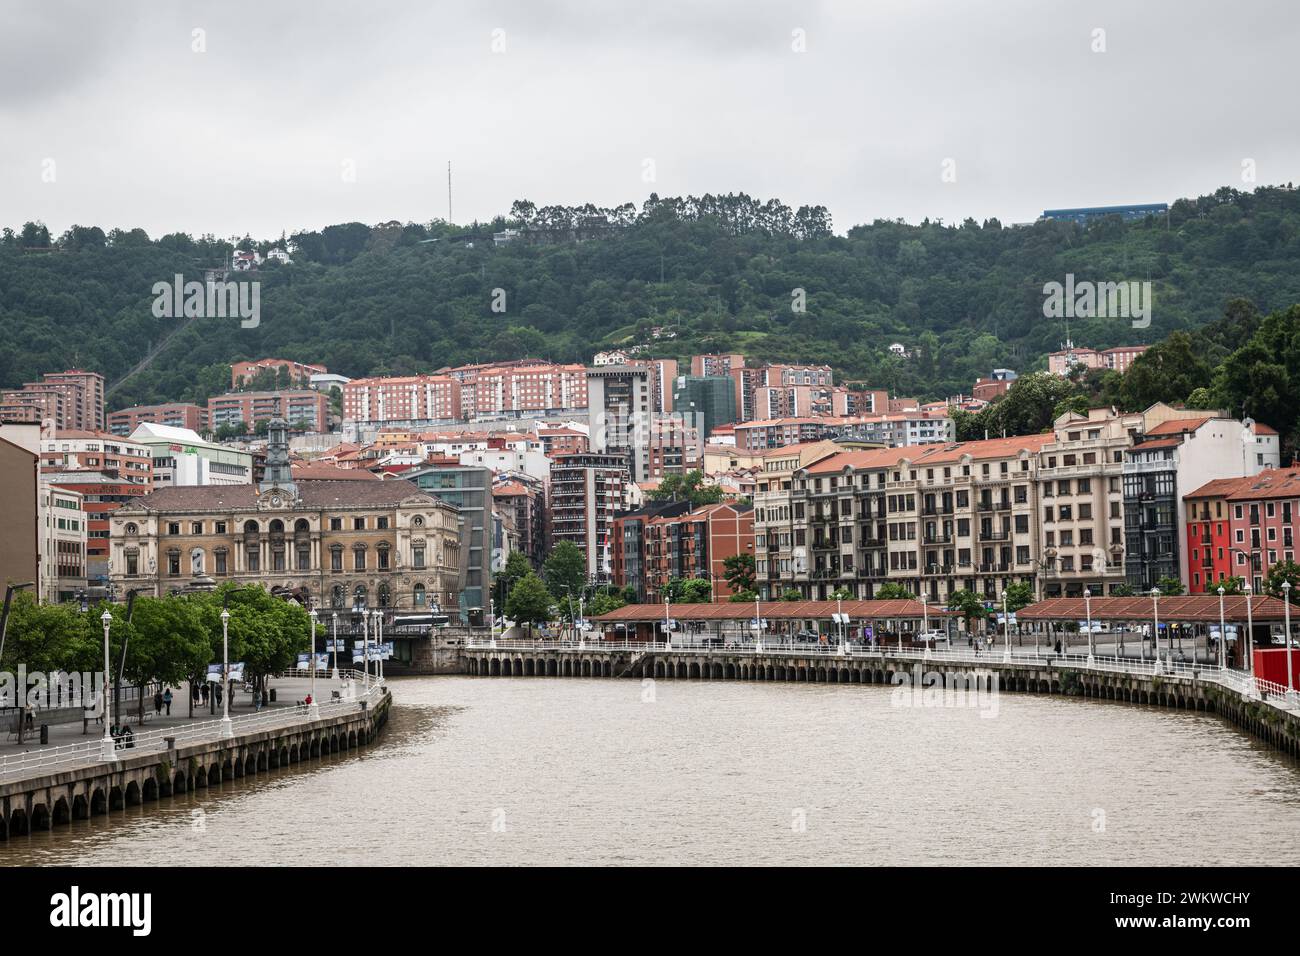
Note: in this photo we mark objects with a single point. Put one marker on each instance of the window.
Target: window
(196, 527)
(336, 524)
(383, 559)
(173, 527)
(304, 558)
(219, 528)
(359, 560)
(173, 564)
(254, 562)
(336, 559)
(417, 557)
(382, 522)
(221, 562)
(358, 524)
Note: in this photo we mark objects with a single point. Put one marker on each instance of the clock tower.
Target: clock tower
(278, 473)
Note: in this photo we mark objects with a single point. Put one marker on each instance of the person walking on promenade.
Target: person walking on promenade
(205, 691)
(157, 703)
(167, 700)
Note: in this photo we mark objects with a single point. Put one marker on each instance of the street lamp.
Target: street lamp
(1249, 644)
(1286, 635)
(925, 621)
(106, 751)
(758, 624)
(668, 621)
(1223, 634)
(1087, 607)
(226, 729)
(1006, 628)
(1155, 633)
(334, 616)
(313, 710)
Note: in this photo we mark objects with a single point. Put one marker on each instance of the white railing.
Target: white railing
(1239, 681)
(154, 741)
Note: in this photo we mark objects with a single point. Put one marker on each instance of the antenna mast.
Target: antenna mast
(449, 192)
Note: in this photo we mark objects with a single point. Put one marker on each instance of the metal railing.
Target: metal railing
(65, 756)
(1252, 687)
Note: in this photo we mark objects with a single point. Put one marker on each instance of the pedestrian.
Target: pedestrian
(157, 703)
(194, 692)
(167, 700)
(204, 691)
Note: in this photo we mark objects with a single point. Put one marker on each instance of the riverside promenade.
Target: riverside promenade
(76, 777)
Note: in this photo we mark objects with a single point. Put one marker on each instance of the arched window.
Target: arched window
(301, 525)
(277, 526)
(383, 595)
(337, 596)
(417, 598)
(250, 527)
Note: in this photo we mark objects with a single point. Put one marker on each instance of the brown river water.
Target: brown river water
(597, 771)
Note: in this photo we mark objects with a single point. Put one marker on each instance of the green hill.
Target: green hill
(721, 271)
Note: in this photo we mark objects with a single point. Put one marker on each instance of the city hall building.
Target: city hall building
(380, 543)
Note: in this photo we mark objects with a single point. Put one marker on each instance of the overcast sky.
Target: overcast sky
(583, 101)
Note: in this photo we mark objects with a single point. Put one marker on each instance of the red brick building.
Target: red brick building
(174, 414)
(696, 545)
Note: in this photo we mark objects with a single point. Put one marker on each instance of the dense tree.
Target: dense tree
(565, 572)
(1283, 571)
(969, 605)
(893, 591)
(529, 601)
(688, 487)
(739, 572)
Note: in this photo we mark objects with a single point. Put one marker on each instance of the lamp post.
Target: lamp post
(1155, 623)
(1286, 636)
(1223, 634)
(492, 623)
(1006, 628)
(758, 624)
(313, 710)
(1087, 608)
(335, 674)
(1249, 644)
(226, 729)
(925, 622)
(365, 649)
(380, 650)
(106, 751)
(668, 621)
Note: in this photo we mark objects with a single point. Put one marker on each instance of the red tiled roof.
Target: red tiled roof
(1158, 443)
(1178, 426)
(1202, 608)
(776, 610)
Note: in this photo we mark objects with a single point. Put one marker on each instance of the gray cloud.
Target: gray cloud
(254, 134)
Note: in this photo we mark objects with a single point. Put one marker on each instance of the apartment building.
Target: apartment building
(412, 399)
(114, 457)
(73, 399)
(935, 520)
(174, 414)
(1241, 527)
(628, 543)
(619, 413)
(1081, 496)
(295, 373)
(1178, 452)
(304, 409)
(587, 491)
(469, 490)
(523, 497)
(1116, 360)
(696, 544)
(528, 390)
(101, 494)
(63, 543)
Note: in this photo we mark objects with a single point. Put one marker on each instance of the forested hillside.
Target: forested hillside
(721, 271)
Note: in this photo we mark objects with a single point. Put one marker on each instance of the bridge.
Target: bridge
(1268, 710)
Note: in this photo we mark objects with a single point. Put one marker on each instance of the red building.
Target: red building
(1241, 527)
(174, 414)
(696, 545)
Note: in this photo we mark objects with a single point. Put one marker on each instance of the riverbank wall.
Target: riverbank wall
(44, 801)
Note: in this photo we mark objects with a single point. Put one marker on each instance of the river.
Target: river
(592, 771)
